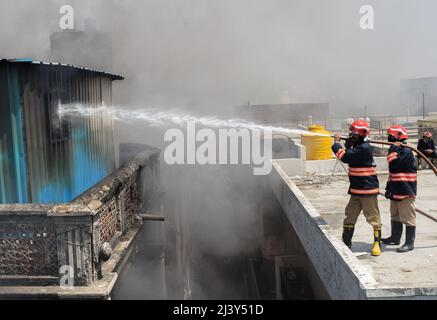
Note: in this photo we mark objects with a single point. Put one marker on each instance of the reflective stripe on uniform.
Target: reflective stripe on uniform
(365, 191)
(403, 177)
(402, 197)
(362, 172)
(392, 156)
(340, 154)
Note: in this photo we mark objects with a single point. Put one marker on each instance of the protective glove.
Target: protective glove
(348, 144)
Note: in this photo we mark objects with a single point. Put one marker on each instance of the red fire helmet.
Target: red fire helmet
(427, 134)
(399, 132)
(360, 127)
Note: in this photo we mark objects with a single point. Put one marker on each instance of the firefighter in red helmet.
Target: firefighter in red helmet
(427, 147)
(401, 189)
(364, 184)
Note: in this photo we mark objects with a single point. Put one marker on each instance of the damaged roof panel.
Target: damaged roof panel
(113, 76)
(46, 157)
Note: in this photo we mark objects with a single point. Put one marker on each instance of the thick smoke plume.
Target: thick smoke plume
(197, 53)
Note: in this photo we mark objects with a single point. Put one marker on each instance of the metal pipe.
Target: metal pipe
(426, 214)
(150, 217)
(417, 209)
(420, 154)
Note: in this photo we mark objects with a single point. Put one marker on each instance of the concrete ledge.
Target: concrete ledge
(341, 272)
(99, 290)
(37, 240)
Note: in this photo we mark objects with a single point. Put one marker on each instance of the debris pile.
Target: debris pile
(312, 179)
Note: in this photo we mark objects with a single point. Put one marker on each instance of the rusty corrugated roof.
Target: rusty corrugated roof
(113, 76)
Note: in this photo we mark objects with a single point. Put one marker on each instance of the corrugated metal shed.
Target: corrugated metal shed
(113, 76)
(46, 158)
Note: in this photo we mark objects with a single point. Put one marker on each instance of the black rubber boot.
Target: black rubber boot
(348, 232)
(410, 236)
(396, 234)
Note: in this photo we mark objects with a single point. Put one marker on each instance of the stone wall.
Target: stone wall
(342, 275)
(28, 247)
(37, 240)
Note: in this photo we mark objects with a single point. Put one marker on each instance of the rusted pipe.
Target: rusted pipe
(426, 214)
(382, 194)
(419, 211)
(151, 217)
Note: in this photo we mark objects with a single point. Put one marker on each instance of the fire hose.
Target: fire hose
(419, 154)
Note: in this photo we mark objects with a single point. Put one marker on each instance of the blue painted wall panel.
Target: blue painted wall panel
(13, 183)
(54, 159)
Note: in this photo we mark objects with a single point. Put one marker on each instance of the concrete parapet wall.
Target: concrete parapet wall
(342, 274)
(299, 149)
(37, 240)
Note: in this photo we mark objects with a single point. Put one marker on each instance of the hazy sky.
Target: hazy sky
(208, 54)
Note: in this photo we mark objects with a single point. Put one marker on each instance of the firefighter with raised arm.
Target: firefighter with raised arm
(401, 189)
(364, 184)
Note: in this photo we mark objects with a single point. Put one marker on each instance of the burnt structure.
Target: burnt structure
(43, 247)
(419, 96)
(47, 157)
(68, 217)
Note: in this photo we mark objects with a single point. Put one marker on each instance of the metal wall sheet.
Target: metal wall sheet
(13, 186)
(64, 156)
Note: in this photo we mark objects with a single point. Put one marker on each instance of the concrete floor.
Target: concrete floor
(417, 268)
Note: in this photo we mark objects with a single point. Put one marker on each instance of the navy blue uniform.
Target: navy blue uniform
(422, 146)
(362, 173)
(402, 182)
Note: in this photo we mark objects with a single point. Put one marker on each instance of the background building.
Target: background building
(418, 92)
(286, 114)
(98, 54)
